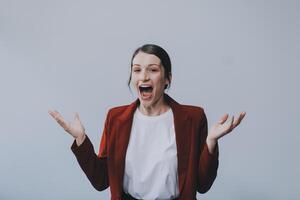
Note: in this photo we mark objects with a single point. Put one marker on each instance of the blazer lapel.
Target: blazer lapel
(182, 125)
(123, 128)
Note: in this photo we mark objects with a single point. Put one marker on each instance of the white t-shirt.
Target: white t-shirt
(151, 158)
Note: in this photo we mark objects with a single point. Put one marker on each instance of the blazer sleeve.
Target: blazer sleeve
(94, 167)
(208, 163)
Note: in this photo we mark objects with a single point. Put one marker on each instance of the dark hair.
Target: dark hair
(161, 54)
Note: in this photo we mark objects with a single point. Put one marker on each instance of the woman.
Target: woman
(154, 148)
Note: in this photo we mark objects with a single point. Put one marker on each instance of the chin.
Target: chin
(146, 104)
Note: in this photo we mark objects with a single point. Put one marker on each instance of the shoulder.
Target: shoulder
(118, 108)
(195, 112)
(117, 111)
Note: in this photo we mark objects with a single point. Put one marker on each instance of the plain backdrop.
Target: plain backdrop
(227, 56)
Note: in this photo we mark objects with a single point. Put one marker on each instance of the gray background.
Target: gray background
(228, 56)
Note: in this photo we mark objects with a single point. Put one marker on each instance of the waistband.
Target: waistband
(126, 196)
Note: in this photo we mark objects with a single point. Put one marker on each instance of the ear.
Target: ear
(170, 78)
(168, 81)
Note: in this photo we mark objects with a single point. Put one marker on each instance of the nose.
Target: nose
(145, 76)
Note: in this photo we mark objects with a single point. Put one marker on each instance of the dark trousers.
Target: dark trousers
(128, 197)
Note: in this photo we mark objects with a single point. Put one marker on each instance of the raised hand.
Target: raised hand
(221, 128)
(74, 128)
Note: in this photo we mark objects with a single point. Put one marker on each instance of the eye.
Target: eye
(136, 70)
(154, 70)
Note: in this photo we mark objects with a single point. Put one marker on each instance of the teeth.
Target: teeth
(145, 88)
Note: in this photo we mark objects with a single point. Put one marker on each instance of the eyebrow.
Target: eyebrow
(148, 65)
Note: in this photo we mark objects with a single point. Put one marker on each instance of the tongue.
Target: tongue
(146, 94)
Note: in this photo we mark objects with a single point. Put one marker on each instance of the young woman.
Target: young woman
(153, 148)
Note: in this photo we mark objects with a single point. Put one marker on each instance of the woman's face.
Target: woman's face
(148, 78)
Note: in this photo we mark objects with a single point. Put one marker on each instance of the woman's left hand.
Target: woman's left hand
(221, 128)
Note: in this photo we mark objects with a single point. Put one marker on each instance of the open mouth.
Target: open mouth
(146, 91)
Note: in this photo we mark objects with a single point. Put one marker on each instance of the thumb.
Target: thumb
(76, 116)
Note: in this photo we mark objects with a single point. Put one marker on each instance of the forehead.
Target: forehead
(145, 59)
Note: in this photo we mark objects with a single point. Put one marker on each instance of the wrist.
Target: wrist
(80, 139)
(211, 141)
(211, 144)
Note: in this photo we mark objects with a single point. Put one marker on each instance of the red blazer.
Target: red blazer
(197, 168)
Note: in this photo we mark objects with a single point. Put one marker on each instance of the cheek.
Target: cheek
(133, 81)
(160, 83)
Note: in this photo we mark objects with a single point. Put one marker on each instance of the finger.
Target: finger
(63, 123)
(51, 112)
(243, 115)
(223, 118)
(60, 120)
(55, 114)
(76, 117)
(238, 121)
(230, 125)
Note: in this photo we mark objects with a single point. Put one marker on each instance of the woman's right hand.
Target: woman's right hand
(74, 128)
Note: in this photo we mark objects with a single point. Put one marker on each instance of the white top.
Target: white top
(151, 158)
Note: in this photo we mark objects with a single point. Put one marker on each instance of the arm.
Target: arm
(95, 167)
(208, 162)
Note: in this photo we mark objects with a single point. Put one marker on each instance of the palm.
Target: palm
(75, 127)
(224, 126)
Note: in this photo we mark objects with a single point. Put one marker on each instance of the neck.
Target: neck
(157, 108)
